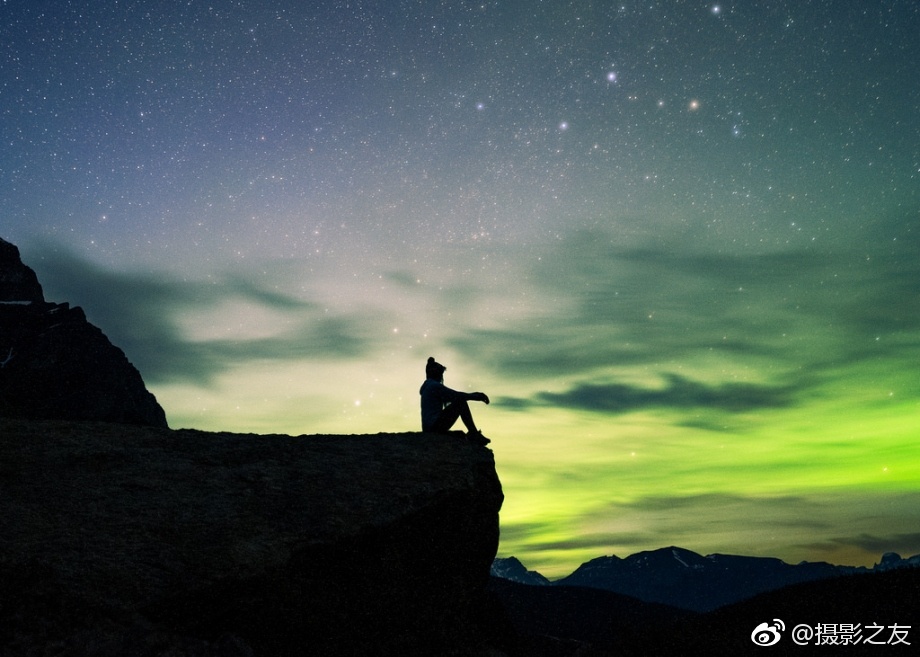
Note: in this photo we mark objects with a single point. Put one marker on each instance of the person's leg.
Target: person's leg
(450, 414)
(466, 416)
(446, 419)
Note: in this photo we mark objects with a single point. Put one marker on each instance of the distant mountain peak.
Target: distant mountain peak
(682, 578)
(512, 569)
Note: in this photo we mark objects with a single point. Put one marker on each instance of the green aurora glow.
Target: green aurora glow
(678, 246)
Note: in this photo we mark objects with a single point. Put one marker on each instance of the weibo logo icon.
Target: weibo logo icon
(767, 634)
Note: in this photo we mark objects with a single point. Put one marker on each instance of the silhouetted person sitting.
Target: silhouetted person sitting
(441, 406)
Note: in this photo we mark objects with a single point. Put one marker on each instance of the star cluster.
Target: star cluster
(223, 126)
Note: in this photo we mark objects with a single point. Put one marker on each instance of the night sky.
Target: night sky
(677, 243)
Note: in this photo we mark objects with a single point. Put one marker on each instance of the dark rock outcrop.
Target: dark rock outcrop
(54, 364)
(122, 540)
(17, 282)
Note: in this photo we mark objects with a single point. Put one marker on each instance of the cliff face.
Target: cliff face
(56, 365)
(17, 282)
(132, 540)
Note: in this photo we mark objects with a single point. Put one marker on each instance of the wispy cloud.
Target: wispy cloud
(883, 543)
(143, 313)
(679, 393)
(773, 324)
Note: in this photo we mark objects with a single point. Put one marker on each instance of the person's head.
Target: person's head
(434, 369)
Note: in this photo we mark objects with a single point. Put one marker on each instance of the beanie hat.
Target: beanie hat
(434, 369)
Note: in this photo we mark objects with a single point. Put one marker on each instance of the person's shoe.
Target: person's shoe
(477, 438)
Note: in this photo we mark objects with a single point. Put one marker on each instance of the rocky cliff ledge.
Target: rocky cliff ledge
(118, 540)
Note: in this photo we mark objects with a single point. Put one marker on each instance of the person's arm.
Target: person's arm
(455, 395)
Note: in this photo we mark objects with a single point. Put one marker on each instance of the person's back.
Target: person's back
(432, 403)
